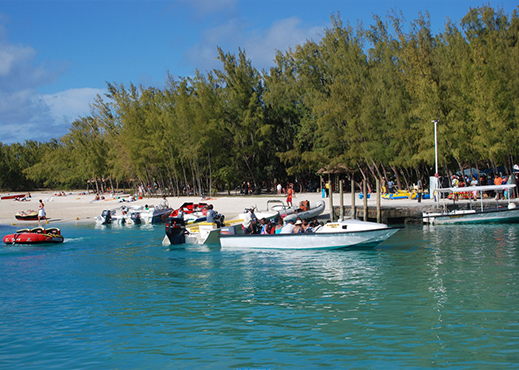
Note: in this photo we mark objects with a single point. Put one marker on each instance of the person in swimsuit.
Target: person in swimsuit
(41, 212)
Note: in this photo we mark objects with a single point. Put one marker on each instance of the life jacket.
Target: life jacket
(304, 205)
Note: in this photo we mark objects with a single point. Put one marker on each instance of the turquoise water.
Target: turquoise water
(117, 299)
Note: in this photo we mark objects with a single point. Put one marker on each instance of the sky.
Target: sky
(56, 56)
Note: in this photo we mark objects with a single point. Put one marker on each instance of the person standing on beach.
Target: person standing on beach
(290, 194)
(41, 212)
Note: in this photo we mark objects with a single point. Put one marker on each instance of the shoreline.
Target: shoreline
(78, 207)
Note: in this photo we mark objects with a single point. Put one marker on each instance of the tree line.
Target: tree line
(358, 102)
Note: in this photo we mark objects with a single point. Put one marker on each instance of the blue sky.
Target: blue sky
(55, 56)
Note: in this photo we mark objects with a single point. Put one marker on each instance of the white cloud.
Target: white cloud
(26, 114)
(66, 106)
(259, 44)
(287, 33)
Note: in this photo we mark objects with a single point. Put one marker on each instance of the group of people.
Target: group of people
(251, 225)
(463, 181)
(27, 197)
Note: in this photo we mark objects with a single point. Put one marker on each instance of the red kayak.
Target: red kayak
(38, 235)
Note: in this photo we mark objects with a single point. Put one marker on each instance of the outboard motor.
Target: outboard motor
(220, 220)
(136, 218)
(107, 216)
(176, 230)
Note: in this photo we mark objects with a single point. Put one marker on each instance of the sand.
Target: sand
(76, 207)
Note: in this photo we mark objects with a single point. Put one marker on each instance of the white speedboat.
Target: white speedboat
(110, 216)
(333, 235)
(496, 214)
(155, 214)
(132, 215)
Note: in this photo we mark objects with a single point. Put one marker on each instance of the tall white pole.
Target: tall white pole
(436, 175)
(436, 148)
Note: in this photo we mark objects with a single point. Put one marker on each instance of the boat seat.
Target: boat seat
(53, 231)
(38, 230)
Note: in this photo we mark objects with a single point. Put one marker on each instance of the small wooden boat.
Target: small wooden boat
(37, 235)
(9, 196)
(29, 215)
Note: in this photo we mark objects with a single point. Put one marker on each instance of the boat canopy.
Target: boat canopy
(466, 189)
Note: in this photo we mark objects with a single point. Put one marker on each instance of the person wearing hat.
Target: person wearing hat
(298, 228)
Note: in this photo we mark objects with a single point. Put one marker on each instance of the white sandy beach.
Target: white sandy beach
(74, 207)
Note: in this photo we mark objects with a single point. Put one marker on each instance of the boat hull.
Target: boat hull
(311, 213)
(472, 217)
(6, 197)
(155, 216)
(351, 239)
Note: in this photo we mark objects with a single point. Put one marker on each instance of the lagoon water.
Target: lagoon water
(115, 298)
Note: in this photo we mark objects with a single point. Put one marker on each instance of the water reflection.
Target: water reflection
(428, 296)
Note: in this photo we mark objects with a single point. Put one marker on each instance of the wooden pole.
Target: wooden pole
(353, 210)
(379, 218)
(341, 200)
(365, 193)
(330, 194)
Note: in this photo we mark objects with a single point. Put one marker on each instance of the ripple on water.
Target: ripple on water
(114, 297)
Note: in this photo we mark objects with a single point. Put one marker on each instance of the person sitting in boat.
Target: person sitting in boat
(306, 227)
(249, 223)
(212, 216)
(288, 228)
(298, 228)
(312, 226)
(279, 226)
(264, 226)
(164, 203)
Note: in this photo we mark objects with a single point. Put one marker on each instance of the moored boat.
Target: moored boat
(155, 214)
(488, 214)
(191, 212)
(277, 208)
(12, 196)
(333, 235)
(306, 210)
(37, 235)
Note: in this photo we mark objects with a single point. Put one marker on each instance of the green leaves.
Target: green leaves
(361, 99)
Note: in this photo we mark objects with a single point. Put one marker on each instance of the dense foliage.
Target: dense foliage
(359, 100)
